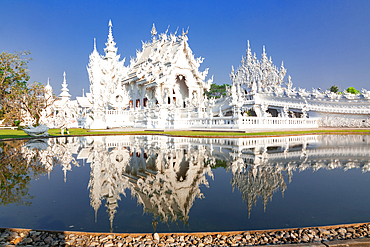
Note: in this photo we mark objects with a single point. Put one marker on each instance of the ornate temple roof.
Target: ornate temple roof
(161, 56)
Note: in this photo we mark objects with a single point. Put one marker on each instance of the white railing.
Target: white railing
(253, 122)
(153, 120)
(116, 112)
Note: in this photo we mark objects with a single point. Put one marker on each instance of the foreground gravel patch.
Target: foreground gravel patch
(18, 237)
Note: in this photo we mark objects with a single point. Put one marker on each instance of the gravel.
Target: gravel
(18, 237)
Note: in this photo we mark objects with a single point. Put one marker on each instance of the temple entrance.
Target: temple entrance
(184, 89)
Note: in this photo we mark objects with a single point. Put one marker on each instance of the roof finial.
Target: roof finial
(110, 49)
(167, 29)
(185, 33)
(110, 35)
(154, 31)
(48, 81)
(94, 44)
(83, 92)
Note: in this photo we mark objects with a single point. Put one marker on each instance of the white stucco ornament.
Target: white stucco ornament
(41, 130)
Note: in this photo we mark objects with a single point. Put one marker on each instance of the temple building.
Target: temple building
(163, 74)
(163, 88)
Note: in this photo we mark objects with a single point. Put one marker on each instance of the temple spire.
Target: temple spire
(48, 90)
(64, 94)
(110, 49)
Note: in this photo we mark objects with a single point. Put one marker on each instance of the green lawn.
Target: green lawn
(8, 134)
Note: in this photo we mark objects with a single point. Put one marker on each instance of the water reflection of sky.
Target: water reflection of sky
(142, 183)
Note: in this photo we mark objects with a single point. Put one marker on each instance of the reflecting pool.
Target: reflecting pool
(181, 184)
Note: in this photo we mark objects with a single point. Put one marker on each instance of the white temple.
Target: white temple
(162, 88)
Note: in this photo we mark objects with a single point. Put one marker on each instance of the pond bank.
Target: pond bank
(338, 235)
(6, 135)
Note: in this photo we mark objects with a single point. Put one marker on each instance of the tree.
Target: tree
(18, 97)
(30, 101)
(334, 89)
(352, 90)
(216, 91)
(13, 72)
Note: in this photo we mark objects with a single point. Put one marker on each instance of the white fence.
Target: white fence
(253, 122)
(156, 120)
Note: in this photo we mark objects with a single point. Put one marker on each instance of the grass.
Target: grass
(11, 134)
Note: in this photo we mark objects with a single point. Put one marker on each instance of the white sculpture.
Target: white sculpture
(41, 130)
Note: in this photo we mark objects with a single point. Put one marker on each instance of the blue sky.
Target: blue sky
(322, 43)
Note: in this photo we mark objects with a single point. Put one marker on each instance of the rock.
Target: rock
(36, 239)
(324, 231)
(17, 240)
(236, 238)
(103, 239)
(170, 240)
(27, 240)
(108, 244)
(305, 238)
(94, 243)
(48, 240)
(156, 236)
(208, 239)
(54, 243)
(351, 230)
(128, 239)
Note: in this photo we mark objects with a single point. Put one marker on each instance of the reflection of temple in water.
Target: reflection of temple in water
(164, 174)
(52, 152)
(260, 165)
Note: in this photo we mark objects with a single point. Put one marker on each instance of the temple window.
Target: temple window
(169, 100)
(130, 104)
(145, 102)
(137, 103)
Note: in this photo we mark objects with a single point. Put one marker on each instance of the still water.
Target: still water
(175, 184)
